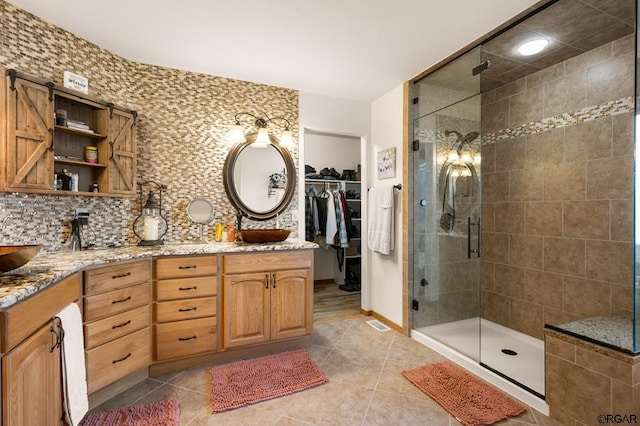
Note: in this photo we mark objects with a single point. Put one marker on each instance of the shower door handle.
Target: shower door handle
(469, 249)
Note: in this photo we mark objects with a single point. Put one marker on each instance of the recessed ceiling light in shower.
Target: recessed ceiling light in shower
(532, 47)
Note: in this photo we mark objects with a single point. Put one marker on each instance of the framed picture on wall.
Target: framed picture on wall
(387, 163)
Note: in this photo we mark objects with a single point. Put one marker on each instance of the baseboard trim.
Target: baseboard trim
(383, 320)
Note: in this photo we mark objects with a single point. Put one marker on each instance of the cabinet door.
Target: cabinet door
(29, 145)
(31, 381)
(291, 304)
(123, 153)
(246, 309)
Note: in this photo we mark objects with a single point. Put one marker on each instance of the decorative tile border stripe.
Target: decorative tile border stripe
(562, 120)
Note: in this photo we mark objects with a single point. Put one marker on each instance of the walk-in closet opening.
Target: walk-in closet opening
(522, 174)
(333, 219)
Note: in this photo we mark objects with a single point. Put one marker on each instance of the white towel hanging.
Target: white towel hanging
(381, 229)
(74, 376)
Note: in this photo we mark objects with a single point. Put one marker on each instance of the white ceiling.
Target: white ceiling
(351, 49)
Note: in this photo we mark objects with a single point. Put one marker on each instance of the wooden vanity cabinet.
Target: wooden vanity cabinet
(117, 321)
(31, 375)
(267, 297)
(186, 306)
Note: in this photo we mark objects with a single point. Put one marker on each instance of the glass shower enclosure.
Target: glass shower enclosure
(446, 207)
(523, 208)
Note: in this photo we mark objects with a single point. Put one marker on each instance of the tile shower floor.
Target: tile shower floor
(365, 386)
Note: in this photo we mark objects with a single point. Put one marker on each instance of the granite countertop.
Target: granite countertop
(614, 330)
(48, 268)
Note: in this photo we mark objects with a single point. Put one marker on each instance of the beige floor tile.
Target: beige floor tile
(334, 403)
(245, 416)
(197, 380)
(287, 421)
(352, 367)
(404, 348)
(130, 396)
(364, 339)
(392, 380)
(356, 358)
(393, 409)
(329, 333)
(318, 353)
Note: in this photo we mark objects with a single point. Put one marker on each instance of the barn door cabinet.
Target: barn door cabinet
(36, 144)
(267, 297)
(30, 341)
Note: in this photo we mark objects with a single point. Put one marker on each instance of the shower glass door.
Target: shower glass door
(446, 205)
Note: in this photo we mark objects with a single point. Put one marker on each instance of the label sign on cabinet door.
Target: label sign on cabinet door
(76, 82)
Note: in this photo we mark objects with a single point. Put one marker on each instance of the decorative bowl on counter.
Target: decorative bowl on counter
(263, 235)
(12, 257)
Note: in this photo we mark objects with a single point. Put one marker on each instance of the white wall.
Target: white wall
(339, 117)
(386, 271)
(332, 151)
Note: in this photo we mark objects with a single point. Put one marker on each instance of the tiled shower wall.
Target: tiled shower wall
(557, 192)
(183, 117)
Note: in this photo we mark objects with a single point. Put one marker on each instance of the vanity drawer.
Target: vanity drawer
(117, 276)
(186, 266)
(98, 332)
(184, 338)
(260, 262)
(114, 360)
(185, 288)
(177, 310)
(116, 301)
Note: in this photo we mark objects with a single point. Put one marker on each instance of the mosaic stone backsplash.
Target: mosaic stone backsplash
(182, 122)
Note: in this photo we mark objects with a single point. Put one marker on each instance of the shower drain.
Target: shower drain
(509, 352)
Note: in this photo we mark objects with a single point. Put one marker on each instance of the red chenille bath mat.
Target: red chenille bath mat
(165, 413)
(464, 396)
(247, 382)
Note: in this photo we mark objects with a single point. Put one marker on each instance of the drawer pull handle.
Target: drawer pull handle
(188, 267)
(121, 275)
(121, 359)
(121, 325)
(195, 308)
(187, 338)
(121, 300)
(195, 287)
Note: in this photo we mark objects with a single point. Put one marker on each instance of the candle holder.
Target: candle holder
(150, 225)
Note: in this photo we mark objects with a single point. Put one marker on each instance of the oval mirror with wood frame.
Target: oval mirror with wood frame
(259, 182)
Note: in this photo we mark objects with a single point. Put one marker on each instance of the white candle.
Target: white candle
(150, 231)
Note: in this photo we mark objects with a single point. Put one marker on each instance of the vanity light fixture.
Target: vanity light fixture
(532, 47)
(150, 225)
(262, 140)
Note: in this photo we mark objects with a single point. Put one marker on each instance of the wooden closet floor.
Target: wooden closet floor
(331, 303)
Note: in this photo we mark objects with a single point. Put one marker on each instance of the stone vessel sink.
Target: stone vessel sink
(12, 257)
(263, 235)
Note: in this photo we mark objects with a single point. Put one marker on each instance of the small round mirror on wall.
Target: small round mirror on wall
(201, 212)
(259, 182)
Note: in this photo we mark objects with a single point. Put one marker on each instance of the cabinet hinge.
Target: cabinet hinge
(50, 86)
(415, 100)
(415, 305)
(13, 74)
(135, 116)
(416, 145)
(110, 105)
